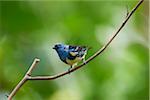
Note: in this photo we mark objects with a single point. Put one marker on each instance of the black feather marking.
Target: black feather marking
(71, 57)
(72, 47)
(80, 50)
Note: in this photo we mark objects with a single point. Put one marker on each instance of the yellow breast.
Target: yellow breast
(72, 62)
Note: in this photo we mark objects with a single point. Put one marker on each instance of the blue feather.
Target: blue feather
(70, 54)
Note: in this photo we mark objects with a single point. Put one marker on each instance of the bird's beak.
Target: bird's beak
(54, 47)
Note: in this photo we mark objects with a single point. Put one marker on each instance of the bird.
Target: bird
(71, 54)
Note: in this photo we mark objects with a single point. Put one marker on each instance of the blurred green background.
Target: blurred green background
(29, 29)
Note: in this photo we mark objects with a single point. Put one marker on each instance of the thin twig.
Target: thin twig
(127, 10)
(24, 79)
(28, 74)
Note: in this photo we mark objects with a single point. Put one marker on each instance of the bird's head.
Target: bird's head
(58, 46)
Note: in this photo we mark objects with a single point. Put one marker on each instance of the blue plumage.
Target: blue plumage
(70, 55)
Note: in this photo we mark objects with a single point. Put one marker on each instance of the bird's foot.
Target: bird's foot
(69, 69)
(84, 62)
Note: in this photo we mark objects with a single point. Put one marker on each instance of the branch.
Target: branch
(24, 79)
(28, 74)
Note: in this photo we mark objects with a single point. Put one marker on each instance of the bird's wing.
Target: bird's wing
(78, 51)
(72, 53)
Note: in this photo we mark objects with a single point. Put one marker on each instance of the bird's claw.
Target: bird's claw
(69, 69)
(84, 62)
